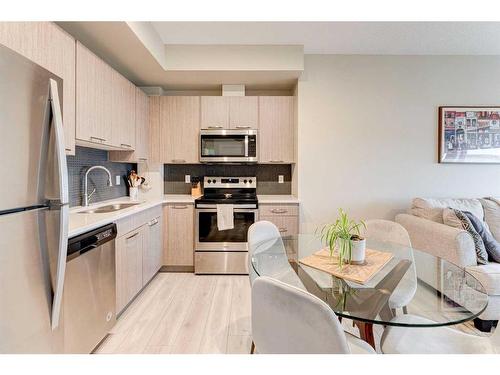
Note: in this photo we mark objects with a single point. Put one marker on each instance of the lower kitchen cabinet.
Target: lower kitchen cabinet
(152, 259)
(139, 253)
(178, 251)
(284, 216)
(129, 250)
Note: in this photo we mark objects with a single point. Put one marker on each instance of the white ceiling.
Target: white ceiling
(385, 38)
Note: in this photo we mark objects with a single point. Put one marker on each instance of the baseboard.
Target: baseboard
(189, 269)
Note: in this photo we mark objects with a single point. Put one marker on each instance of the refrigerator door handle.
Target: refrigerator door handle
(60, 145)
(63, 204)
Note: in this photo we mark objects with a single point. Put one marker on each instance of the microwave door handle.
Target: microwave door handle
(63, 207)
(246, 146)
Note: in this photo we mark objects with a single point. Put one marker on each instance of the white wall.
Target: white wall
(367, 132)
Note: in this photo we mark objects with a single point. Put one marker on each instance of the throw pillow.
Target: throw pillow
(481, 253)
(491, 209)
(491, 245)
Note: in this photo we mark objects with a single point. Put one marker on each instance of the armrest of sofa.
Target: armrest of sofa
(452, 244)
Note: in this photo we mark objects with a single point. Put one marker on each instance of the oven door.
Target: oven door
(228, 146)
(209, 238)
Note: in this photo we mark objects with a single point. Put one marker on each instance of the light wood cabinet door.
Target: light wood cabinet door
(244, 112)
(122, 112)
(52, 48)
(214, 112)
(152, 258)
(276, 129)
(93, 98)
(179, 128)
(141, 125)
(155, 133)
(129, 252)
(142, 132)
(178, 235)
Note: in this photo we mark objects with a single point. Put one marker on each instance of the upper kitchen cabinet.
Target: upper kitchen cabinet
(179, 129)
(214, 112)
(229, 112)
(93, 99)
(276, 129)
(123, 111)
(52, 48)
(105, 104)
(142, 132)
(243, 112)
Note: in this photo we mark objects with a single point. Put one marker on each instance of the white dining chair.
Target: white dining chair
(435, 340)
(289, 320)
(261, 232)
(390, 231)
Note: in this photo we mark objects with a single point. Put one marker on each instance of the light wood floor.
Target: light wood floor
(185, 313)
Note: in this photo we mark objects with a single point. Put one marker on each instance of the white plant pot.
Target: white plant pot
(358, 252)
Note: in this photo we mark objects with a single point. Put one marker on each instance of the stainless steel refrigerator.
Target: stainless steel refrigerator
(33, 207)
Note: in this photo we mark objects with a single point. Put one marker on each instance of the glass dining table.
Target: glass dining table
(435, 288)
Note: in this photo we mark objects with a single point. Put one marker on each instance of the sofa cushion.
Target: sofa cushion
(491, 209)
(432, 209)
(461, 221)
(492, 246)
(488, 275)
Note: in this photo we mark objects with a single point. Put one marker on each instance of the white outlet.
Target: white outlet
(281, 179)
(118, 180)
(187, 179)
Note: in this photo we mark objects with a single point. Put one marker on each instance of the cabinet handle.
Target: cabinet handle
(143, 159)
(132, 236)
(99, 139)
(125, 145)
(68, 149)
(243, 127)
(178, 161)
(276, 161)
(279, 211)
(179, 207)
(153, 222)
(283, 230)
(215, 127)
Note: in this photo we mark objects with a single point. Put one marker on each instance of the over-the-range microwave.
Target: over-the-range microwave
(228, 146)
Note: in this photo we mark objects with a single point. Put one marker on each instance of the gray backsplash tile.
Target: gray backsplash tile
(267, 176)
(88, 157)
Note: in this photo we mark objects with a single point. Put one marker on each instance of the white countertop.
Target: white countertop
(178, 198)
(82, 222)
(277, 199)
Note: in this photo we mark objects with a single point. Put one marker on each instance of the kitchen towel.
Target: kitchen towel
(225, 216)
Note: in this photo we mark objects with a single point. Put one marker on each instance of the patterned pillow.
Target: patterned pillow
(481, 253)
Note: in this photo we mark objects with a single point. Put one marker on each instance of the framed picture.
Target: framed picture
(469, 135)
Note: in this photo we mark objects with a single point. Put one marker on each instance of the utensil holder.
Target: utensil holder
(134, 193)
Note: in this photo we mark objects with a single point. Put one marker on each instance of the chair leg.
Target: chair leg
(252, 348)
(405, 309)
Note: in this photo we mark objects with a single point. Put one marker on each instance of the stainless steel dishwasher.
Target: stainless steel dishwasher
(89, 289)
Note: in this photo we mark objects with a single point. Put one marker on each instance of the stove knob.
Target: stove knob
(250, 181)
(214, 180)
(209, 181)
(244, 181)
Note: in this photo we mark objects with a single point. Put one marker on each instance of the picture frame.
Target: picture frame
(469, 134)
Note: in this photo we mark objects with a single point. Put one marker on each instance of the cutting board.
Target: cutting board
(374, 261)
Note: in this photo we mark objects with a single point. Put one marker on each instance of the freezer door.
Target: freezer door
(25, 124)
(28, 269)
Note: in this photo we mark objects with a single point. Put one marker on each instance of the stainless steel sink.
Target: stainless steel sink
(109, 208)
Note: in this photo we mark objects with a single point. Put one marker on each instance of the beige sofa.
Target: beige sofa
(427, 231)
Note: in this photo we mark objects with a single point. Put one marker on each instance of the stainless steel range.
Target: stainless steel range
(224, 251)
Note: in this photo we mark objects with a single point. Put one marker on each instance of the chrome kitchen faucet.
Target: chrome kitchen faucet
(86, 196)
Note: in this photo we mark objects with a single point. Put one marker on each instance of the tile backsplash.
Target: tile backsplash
(267, 176)
(88, 157)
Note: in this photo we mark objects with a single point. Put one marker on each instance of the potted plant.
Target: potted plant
(344, 235)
